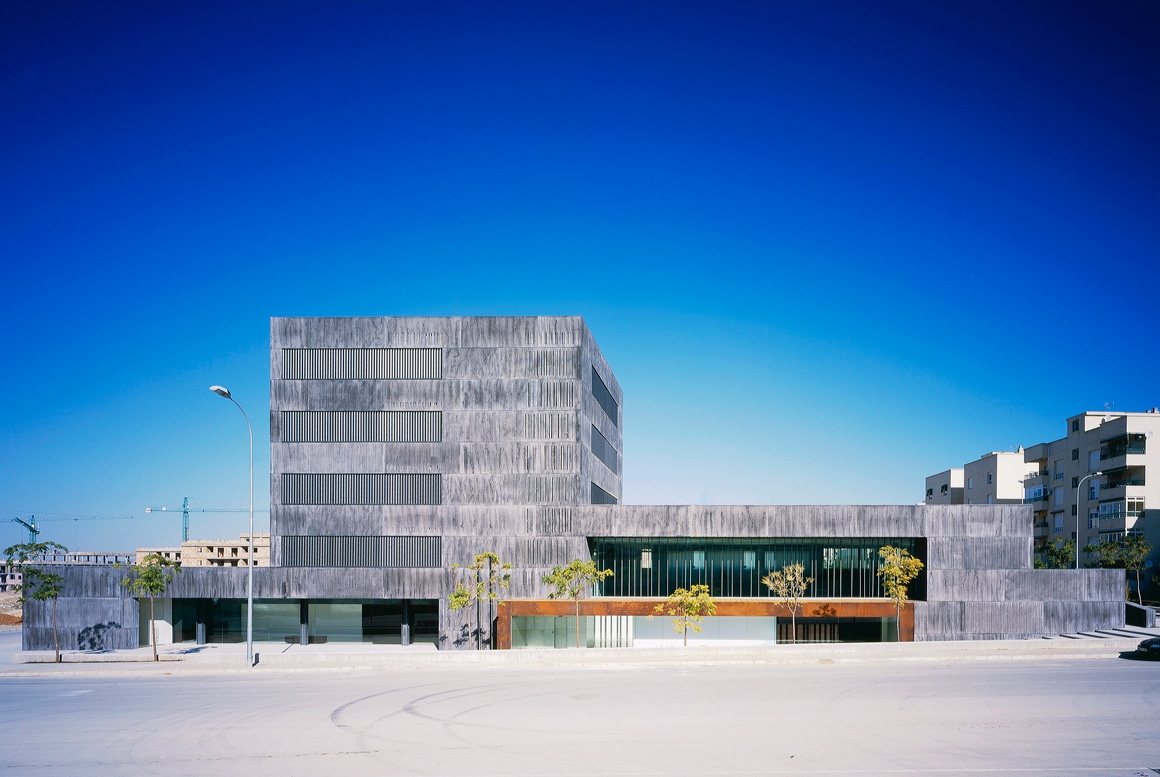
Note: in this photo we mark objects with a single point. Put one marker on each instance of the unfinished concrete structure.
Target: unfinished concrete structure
(401, 447)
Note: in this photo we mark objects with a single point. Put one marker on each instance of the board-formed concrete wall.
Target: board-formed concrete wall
(516, 465)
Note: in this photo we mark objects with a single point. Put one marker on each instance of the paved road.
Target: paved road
(1080, 717)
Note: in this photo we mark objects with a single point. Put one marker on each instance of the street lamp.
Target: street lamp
(1077, 517)
(222, 391)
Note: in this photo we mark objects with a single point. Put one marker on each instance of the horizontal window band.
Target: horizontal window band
(362, 363)
(385, 552)
(362, 426)
(376, 488)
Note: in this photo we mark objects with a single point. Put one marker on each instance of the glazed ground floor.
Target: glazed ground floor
(373, 621)
(624, 622)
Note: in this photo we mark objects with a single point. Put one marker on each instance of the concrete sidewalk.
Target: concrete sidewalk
(352, 657)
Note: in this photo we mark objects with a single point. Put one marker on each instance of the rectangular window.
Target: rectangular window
(1075, 454)
(362, 363)
(1059, 522)
(1093, 461)
(1075, 426)
(990, 499)
(1075, 482)
(698, 559)
(601, 497)
(1093, 519)
(990, 478)
(970, 482)
(1059, 492)
(380, 552)
(374, 488)
(749, 559)
(944, 488)
(1058, 470)
(603, 450)
(604, 398)
(646, 559)
(1093, 489)
(362, 426)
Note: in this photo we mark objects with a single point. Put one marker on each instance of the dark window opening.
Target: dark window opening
(604, 398)
(601, 497)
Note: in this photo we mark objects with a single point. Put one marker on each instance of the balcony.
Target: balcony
(1122, 483)
(1041, 529)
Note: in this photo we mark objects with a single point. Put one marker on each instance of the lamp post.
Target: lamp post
(1077, 517)
(222, 391)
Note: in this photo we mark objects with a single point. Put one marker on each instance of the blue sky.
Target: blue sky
(828, 248)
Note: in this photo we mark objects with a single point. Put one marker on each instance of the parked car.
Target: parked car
(1149, 648)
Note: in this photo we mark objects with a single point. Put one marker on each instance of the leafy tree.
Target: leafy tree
(1129, 553)
(1058, 554)
(484, 587)
(569, 582)
(39, 585)
(151, 578)
(897, 570)
(789, 584)
(688, 607)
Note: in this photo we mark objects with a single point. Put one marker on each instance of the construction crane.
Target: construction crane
(185, 510)
(32, 522)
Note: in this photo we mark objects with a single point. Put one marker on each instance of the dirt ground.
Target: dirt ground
(10, 611)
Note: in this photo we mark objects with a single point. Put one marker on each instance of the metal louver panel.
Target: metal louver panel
(362, 426)
(362, 363)
(375, 488)
(353, 551)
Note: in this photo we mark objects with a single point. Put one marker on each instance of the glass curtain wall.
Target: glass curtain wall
(840, 568)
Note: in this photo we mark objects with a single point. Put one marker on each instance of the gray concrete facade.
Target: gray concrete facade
(403, 446)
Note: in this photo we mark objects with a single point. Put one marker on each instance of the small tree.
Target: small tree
(688, 607)
(789, 584)
(151, 578)
(38, 585)
(1129, 553)
(483, 587)
(1059, 554)
(571, 581)
(897, 570)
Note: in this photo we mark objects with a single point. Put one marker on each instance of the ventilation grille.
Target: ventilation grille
(553, 364)
(548, 489)
(362, 363)
(549, 426)
(361, 489)
(604, 397)
(601, 497)
(362, 426)
(552, 394)
(603, 450)
(422, 552)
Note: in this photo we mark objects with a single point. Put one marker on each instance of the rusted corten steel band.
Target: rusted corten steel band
(811, 608)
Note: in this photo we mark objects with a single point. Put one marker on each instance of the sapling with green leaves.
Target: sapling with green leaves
(151, 578)
(688, 607)
(571, 581)
(490, 577)
(897, 569)
(38, 584)
(789, 584)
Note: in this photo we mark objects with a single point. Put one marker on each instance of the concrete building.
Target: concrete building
(215, 553)
(403, 447)
(945, 488)
(1048, 477)
(1122, 500)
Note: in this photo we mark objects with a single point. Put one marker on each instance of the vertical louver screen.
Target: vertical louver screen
(362, 363)
(604, 397)
(603, 449)
(362, 426)
(601, 497)
(361, 489)
(382, 552)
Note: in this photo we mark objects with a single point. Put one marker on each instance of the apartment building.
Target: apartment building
(215, 553)
(945, 488)
(1091, 483)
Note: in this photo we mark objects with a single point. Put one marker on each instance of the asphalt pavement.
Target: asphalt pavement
(1084, 716)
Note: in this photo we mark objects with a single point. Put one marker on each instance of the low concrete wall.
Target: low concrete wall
(83, 623)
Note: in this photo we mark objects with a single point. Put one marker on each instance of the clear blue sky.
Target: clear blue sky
(828, 247)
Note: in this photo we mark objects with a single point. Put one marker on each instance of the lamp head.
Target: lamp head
(221, 391)
(1097, 473)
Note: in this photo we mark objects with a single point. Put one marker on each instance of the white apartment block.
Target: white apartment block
(215, 553)
(1058, 480)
